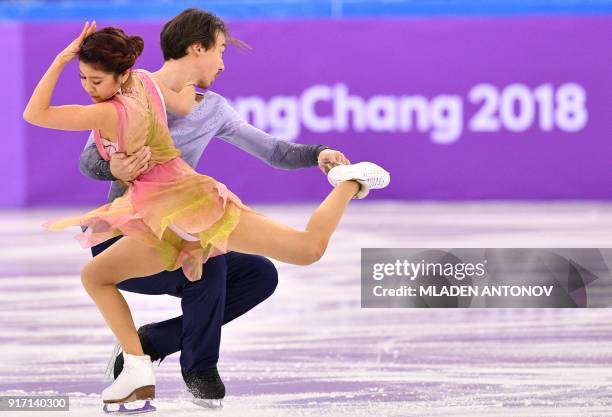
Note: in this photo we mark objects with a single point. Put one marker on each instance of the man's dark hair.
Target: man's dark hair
(189, 27)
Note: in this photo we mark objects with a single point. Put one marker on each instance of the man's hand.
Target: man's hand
(329, 158)
(128, 168)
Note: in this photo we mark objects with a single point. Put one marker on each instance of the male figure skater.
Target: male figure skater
(192, 44)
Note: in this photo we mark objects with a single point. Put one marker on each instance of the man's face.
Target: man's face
(209, 64)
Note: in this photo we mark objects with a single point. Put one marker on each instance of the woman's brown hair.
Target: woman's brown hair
(111, 50)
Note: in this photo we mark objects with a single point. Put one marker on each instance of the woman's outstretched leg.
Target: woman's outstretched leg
(260, 235)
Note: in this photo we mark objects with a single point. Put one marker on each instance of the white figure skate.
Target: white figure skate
(135, 383)
(369, 175)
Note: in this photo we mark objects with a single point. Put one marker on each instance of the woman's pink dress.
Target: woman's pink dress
(186, 216)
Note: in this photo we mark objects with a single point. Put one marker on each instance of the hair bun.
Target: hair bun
(137, 45)
(111, 50)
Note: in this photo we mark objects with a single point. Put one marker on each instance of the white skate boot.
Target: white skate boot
(135, 383)
(369, 175)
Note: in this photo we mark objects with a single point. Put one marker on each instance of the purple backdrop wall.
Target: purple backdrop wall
(13, 168)
(453, 108)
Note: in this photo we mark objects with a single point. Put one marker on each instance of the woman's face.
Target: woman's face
(98, 84)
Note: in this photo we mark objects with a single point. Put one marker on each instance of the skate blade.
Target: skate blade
(110, 365)
(122, 409)
(210, 404)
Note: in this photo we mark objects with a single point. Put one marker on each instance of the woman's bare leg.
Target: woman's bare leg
(260, 235)
(127, 258)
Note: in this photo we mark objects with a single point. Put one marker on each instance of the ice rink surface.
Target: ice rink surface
(311, 350)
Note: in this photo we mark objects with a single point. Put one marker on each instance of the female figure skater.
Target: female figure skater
(171, 216)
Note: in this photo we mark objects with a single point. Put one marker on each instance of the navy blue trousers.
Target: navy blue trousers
(231, 285)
